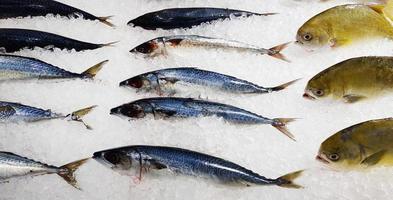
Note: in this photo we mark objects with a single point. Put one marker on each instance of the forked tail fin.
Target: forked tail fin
(275, 51)
(67, 172)
(282, 86)
(105, 21)
(77, 115)
(92, 71)
(287, 180)
(280, 124)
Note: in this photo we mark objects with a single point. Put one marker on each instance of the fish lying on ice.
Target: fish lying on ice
(13, 166)
(359, 146)
(186, 162)
(23, 8)
(174, 18)
(345, 24)
(353, 79)
(16, 112)
(16, 39)
(159, 79)
(158, 45)
(18, 67)
(186, 107)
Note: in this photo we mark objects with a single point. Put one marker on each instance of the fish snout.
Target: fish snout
(320, 158)
(123, 83)
(97, 155)
(114, 111)
(307, 96)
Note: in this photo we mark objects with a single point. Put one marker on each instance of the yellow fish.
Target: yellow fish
(359, 146)
(345, 24)
(353, 79)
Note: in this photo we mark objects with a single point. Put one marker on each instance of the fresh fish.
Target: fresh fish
(353, 79)
(345, 24)
(25, 8)
(13, 166)
(173, 18)
(186, 162)
(158, 45)
(157, 80)
(16, 39)
(186, 107)
(16, 112)
(362, 145)
(18, 67)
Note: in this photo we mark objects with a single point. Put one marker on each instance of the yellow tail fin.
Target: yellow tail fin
(275, 51)
(77, 115)
(283, 86)
(105, 21)
(287, 180)
(280, 124)
(67, 172)
(92, 71)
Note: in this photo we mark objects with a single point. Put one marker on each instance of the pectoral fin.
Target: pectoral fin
(163, 113)
(335, 42)
(157, 165)
(374, 159)
(352, 98)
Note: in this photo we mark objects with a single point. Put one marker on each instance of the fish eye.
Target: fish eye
(318, 92)
(307, 37)
(112, 158)
(146, 48)
(334, 157)
(135, 83)
(133, 111)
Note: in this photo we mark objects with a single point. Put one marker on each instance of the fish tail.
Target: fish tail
(287, 180)
(283, 86)
(110, 44)
(275, 51)
(266, 14)
(105, 21)
(92, 71)
(77, 115)
(67, 172)
(280, 124)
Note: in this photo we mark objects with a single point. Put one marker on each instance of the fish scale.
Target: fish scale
(187, 162)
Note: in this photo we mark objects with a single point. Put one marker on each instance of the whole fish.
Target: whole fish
(353, 79)
(18, 67)
(187, 107)
(159, 79)
(362, 145)
(25, 8)
(16, 39)
(13, 166)
(345, 24)
(173, 18)
(16, 112)
(186, 162)
(158, 45)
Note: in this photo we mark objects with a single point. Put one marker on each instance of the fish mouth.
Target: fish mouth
(320, 158)
(307, 96)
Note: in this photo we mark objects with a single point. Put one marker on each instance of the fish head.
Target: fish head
(114, 159)
(340, 152)
(132, 110)
(318, 87)
(312, 36)
(149, 47)
(143, 81)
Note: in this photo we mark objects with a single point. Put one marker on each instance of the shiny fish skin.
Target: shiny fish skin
(25, 8)
(13, 40)
(18, 67)
(158, 45)
(13, 166)
(186, 107)
(185, 162)
(15, 112)
(186, 17)
(155, 80)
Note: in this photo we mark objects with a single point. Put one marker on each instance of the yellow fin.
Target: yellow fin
(92, 71)
(352, 98)
(67, 172)
(374, 159)
(77, 115)
(287, 180)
